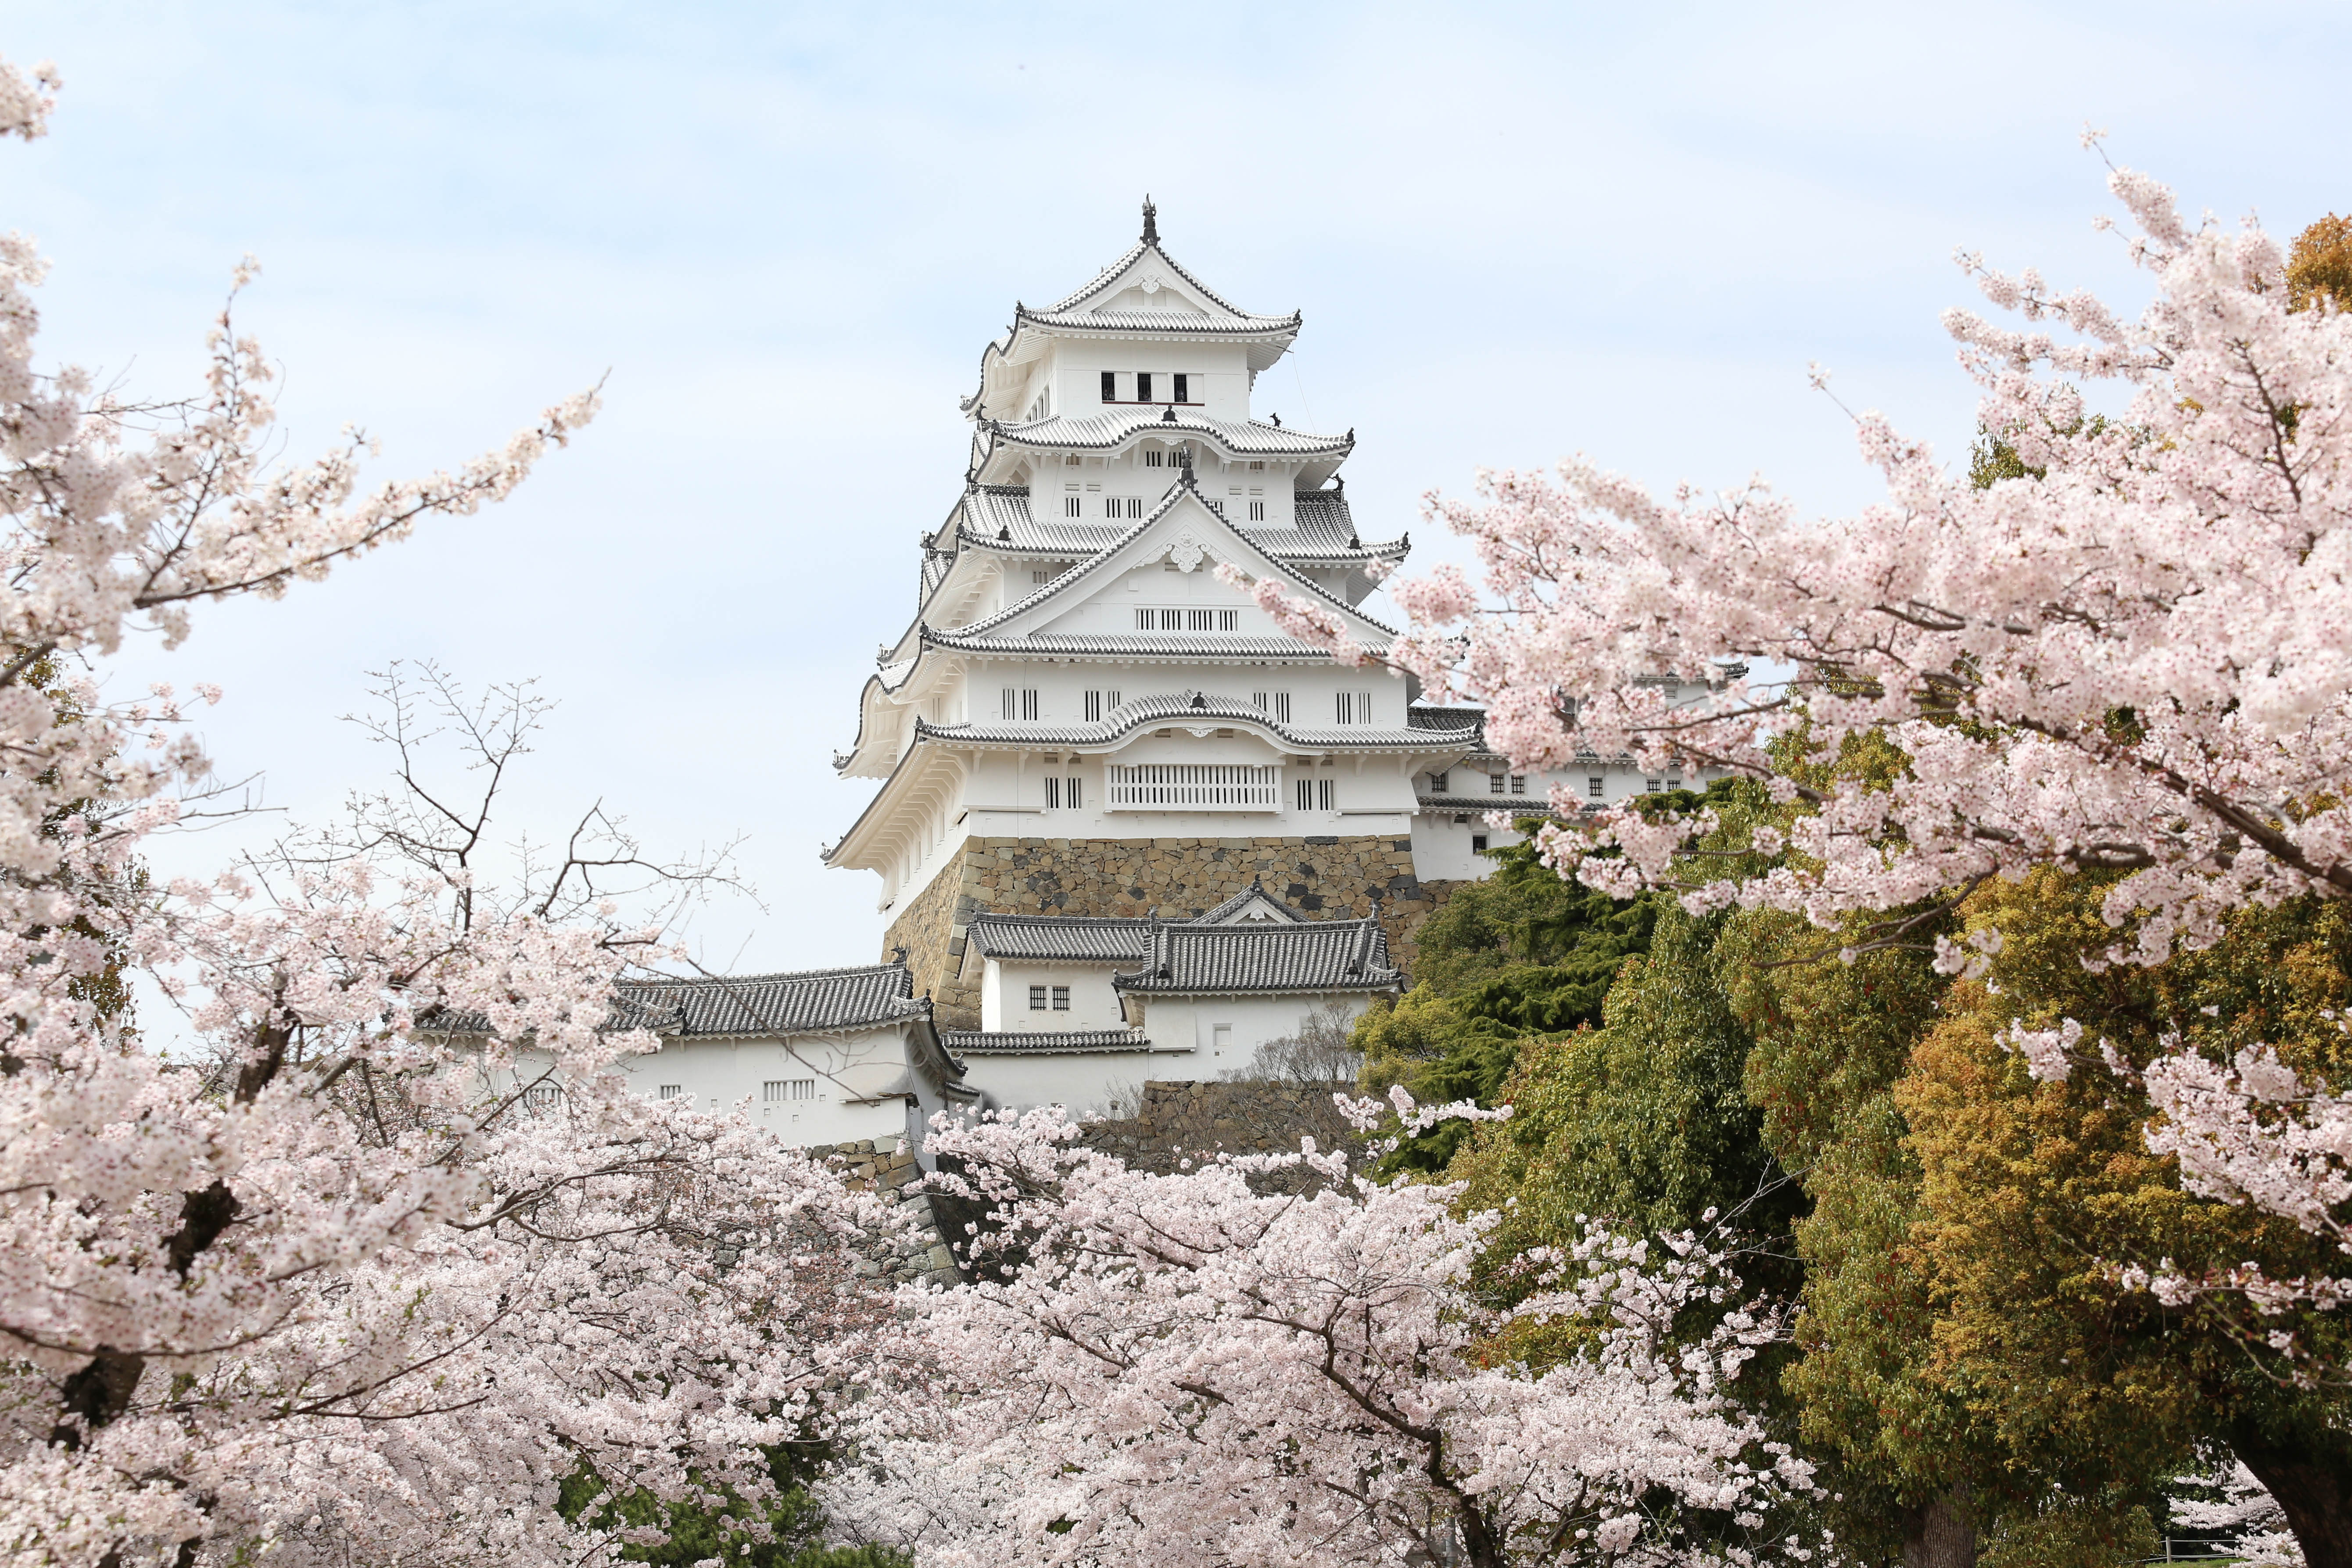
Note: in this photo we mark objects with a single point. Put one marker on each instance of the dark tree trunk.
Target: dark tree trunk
(1940, 1534)
(2310, 1473)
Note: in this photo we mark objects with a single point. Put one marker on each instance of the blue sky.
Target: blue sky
(1516, 232)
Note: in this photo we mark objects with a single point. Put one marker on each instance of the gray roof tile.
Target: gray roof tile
(1328, 955)
(1178, 707)
(1133, 253)
(1079, 939)
(805, 1002)
(1040, 1042)
(1097, 432)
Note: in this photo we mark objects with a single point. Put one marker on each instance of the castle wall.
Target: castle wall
(1335, 877)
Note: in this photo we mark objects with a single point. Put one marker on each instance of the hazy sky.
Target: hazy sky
(1516, 232)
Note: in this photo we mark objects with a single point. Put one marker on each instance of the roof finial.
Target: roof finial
(1151, 221)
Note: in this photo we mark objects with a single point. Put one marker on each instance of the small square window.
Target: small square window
(1654, 785)
(1061, 998)
(1437, 783)
(1594, 788)
(1674, 783)
(1494, 784)
(1257, 511)
(1478, 843)
(1036, 998)
(1518, 784)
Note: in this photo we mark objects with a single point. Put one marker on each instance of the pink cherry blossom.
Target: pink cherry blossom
(365, 1271)
(1192, 1368)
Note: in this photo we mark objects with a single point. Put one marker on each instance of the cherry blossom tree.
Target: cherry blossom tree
(1191, 1368)
(384, 1256)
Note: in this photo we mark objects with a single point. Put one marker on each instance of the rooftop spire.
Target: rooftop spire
(1151, 221)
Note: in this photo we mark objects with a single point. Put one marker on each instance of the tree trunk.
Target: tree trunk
(1943, 1533)
(2310, 1473)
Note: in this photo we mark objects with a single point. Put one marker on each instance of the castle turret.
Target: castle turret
(1082, 718)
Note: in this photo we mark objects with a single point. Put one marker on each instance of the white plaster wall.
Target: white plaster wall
(1004, 997)
(1084, 1082)
(1075, 367)
(724, 1074)
(1173, 1021)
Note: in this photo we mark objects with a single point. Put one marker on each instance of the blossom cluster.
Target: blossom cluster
(382, 1254)
(1188, 1368)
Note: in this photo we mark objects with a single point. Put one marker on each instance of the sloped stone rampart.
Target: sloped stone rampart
(914, 1248)
(1328, 878)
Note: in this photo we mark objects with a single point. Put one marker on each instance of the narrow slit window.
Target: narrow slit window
(1229, 620)
(1282, 707)
(1070, 506)
(673, 1091)
(1111, 700)
(1094, 706)
(1363, 707)
(1257, 700)
(1021, 703)
(1154, 459)
(1344, 706)
(1053, 792)
(777, 1090)
(1111, 507)
(1257, 511)
(1070, 792)
(1135, 506)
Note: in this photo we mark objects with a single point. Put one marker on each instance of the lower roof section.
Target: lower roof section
(1043, 1042)
(1187, 707)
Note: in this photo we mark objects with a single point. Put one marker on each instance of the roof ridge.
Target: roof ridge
(748, 979)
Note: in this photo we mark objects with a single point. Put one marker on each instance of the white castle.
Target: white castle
(1125, 827)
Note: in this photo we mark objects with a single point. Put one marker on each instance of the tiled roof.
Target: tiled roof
(1422, 716)
(1139, 645)
(1328, 955)
(1069, 580)
(1096, 939)
(1155, 322)
(1000, 517)
(1135, 253)
(1254, 893)
(1100, 431)
(806, 1002)
(1040, 1042)
(1176, 708)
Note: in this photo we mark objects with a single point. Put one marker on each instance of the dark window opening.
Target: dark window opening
(1143, 386)
(1111, 386)
(1479, 843)
(1182, 388)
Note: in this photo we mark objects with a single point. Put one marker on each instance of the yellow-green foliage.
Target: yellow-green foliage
(2031, 1191)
